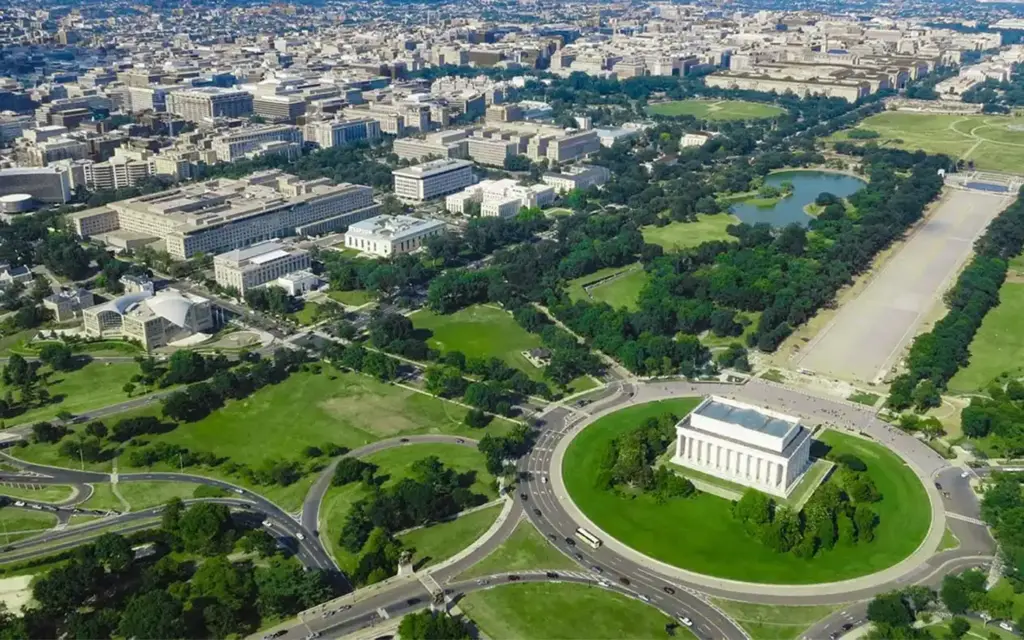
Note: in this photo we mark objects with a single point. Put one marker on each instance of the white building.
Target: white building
(500, 198)
(579, 176)
(745, 444)
(153, 320)
(256, 140)
(297, 283)
(338, 133)
(259, 264)
(432, 179)
(693, 140)
(390, 235)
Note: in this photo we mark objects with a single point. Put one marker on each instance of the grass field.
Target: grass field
(563, 610)
(978, 631)
(719, 546)
(771, 622)
(307, 315)
(441, 541)
(558, 212)
(716, 109)
(865, 398)
(997, 350)
(985, 139)
(44, 492)
(750, 318)
(354, 298)
(480, 331)
(949, 541)
(103, 498)
(622, 291)
(97, 384)
(525, 549)
(395, 464)
(306, 409)
(16, 524)
(142, 495)
(683, 235)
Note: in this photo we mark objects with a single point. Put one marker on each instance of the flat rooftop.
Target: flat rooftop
(434, 167)
(747, 418)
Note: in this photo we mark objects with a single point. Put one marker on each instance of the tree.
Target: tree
(753, 509)
(96, 429)
(47, 432)
(926, 395)
(220, 580)
(114, 552)
(128, 388)
(847, 530)
(865, 520)
(58, 356)
(260, 542)
(153, 615)
(284, 588)
(476, 418)
(958, 627)
(890, 609)
(19, 372)
(206, 529)
(955, 595)
(430, 625)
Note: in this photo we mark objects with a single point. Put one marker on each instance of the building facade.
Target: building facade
(259, 264)
(432, 179)
(338, 133)
(390, 235)
(745, 444)
(203, 104)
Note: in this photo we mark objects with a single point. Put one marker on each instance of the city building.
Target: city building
(51, 185)
(219, 215)
(432, 179)
(580, 176)
(203, 104)
(500, 198)
(257, 265)
(391, 235)
(694, 140)
(298, 283)
(151, 319)
(337, 133)
(745, 444)
(67, 304)
(250, 142)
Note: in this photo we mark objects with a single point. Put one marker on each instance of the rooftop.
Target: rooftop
(392, 227)
(747, 418)
(433, 167)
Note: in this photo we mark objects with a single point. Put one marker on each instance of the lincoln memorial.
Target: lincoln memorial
(745, 444)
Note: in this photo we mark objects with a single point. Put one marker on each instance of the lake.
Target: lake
(806, 187)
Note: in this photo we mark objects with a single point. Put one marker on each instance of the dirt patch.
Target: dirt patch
(371, 413)
(15, 592)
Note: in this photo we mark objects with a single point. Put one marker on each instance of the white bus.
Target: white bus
(588, 537)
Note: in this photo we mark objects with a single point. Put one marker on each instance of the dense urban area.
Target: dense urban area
(511, 320)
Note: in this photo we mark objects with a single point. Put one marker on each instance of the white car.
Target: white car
(239, 491)
(544, 479)
(604, 584)
(965, 474)
(19, 503)
(267, 523)
(300, 536)
(1005, 626)
(643, 597)
(686, 622)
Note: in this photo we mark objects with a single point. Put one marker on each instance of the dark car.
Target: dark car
(570, 542)
(513, 578)
(624, 580)
(412, 601)
(669, 590)
(536, 512)
(524, 497)
(551, 574)
(579, 556)
(553, 537)
(597, 568)
(404, 440)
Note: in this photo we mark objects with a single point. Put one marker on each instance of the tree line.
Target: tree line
(629, 460)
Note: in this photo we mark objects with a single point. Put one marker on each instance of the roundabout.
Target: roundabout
(700, 534)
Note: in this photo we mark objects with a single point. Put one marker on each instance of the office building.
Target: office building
(432, 179)
(51, 185)
(203, 104)
(745, 444)
(67, 304)
(256, 141)
(257, 265)
(386, 236)
(577, 177)
(152, 319)
(337, 133)
(500, 198)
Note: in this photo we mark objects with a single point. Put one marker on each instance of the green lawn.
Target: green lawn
(748, 318)
(142, 495)
(558, 211)
(978, 631)
(307, 315)
(42, 492)
(621, 291)
(985, 139)
(565, 611)
(354, 298)
(576, 287)
(395, 464)
(997, 350)
(306, 409)
(719, 546)
(480, 331)
(95, 385)
(716, 109)
(773, 622)
(439, 542)
(949, 541)
(684, 235)
(525, 549)
(16, 524)
(865, 398)
(103, 498)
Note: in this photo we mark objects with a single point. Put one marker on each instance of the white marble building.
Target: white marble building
(745, 444)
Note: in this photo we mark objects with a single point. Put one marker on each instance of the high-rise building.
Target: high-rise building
(243, 142)
(336, 133)
(206, 103)
(432, 179)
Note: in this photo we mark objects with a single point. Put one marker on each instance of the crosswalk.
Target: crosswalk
(958, 516)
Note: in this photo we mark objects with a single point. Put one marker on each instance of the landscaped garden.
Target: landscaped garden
(716, 109)
(94, 385)
(564, 610)
(715, 542)
(684, 235)
(617, 286)
(997, 350)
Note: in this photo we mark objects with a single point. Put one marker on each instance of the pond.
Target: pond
(806, 187)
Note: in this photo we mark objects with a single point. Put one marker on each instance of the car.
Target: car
(513, 578)
(19, 503)
(300, 536)
(544, 479)
(36, 507)
(570, 542)
(847, 626)
(606, 585)
(596, 568)
(834, 635)
(345, 607)
(537, 513)
(938, 486)
(404, 440)
(238, 491)
(1005, 626)
(267, 523)
(483, 582)
(312, 634)
(643, 597)
(551, 574)
(686, 622)
(965, 474)
(460, 441)
(327, 614)
(579, 556)
(524, 497)
(669, 590)
(553, 537)
(412, 601)
(624, 580)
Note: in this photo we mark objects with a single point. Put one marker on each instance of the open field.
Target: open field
(480, 331)
(719, 546)
(866, 337)
(683, 235)
(39, 493)
(865, 398)
(525, 549)
(307, 315)
(394, 465)
(621, 290)
(773, 622)
(750, 318)
(988, 140)
(142, 495)
(566, 611)
(16, 524)
(354, 298)
(997, 350)
(441, 541)
(97, 384)
(716, 109)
